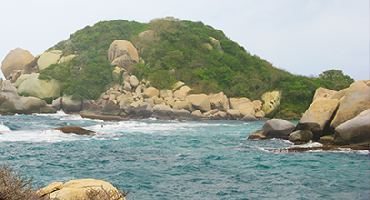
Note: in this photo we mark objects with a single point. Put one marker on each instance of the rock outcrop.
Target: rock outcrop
(31, 85)
(11, 102)
(123, 54)
(333, 118)
(271, 103)
(355, 100)
(48, 58)
(274, 128)
(15, 60)
(81, 189)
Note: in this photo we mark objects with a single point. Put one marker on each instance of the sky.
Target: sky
(304, 37)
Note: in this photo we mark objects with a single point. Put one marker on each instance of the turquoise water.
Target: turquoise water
(180, 160)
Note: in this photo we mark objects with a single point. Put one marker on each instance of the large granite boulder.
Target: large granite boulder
(43, 89)
(274, 128)
(177, 85)
(151, 92)
(70, 105)
(123, 54)
(216, 44)
(66, 59)
(219, 101)
(323, 93)
(355, 100)
(48, 58)
(15, 60)
(199, 102)
(182, 92)
(318, 117)
(80, 189)
(271, 103)
(300, 136)
(355, 130)
(11, 102)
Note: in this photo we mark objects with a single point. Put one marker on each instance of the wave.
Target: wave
(3, 127)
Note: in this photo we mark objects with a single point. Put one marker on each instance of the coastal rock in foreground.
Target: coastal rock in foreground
(355, 100)
(274, 128)
(81, 189)
(355, 130)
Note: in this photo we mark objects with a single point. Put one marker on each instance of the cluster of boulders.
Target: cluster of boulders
(134, 99)
(11, 102)
(81, 189)
(333, 118)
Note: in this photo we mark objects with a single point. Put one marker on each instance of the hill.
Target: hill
(174, 50)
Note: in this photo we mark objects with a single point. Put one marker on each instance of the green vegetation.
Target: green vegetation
(179, 50)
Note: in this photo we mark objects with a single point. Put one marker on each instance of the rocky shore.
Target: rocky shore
(334, 118)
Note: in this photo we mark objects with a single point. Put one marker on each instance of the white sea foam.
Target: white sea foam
(59, 113)
(3, 127)
(309, 144)
(41, 136)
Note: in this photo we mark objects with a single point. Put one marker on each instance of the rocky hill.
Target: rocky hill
(161, 52)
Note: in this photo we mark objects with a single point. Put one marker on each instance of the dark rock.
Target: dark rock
(75, 130)
(257, 135)
(277, 128)
(301, 136)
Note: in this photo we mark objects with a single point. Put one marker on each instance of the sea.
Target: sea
(156, 159)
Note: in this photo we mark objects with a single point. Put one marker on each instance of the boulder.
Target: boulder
(66, 59)
(15, 60)
(111, 108)
(123, 54)
(318, 117)
(240, 103)
(75, 130)
(257, 135)
(81, 189)
(127, 86)
(219, 115)
(177, 85)
(249, 117)
(355, 130)
(70, 105)
(260, 114)
(20, 80)
(179, 105)
(323, 93)
(32, 104)
(15, 75)
(182, 92)
(235, 114)
(210, 113)
(199, 101)
(198, 113)
(355, 100)
(219, 101)
(150, 92)
(271, 103)
(257, 104)
(48, 58)
(42, 89)
(300, 136)
(165, 93)
(134, 81)
(277, 128)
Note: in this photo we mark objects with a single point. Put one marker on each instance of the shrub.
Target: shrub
(14, 185)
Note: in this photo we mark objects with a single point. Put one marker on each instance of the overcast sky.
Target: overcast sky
(304, 37)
